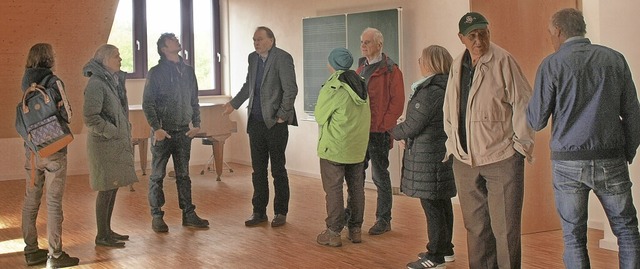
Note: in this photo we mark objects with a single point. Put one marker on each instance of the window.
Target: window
(138, 24)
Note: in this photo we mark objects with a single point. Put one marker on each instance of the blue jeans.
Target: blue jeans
(178, 146)
(378, 153)
(609, 180)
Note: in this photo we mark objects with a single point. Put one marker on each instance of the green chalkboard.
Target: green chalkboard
(323, 34)
(320, 36)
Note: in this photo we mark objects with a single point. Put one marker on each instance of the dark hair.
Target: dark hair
(40, 55)
(162, 42)
(269, 33)
(570, 22)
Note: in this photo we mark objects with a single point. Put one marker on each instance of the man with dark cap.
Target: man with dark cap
(589, 90)
(344, 116)
(489, 138)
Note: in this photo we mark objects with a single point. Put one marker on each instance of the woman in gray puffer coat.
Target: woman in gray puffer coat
(424, 175)
(109, 149)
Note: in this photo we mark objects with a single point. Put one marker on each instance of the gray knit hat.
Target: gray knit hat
(340, 59)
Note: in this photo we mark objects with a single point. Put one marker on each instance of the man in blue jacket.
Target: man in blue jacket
(596, 130)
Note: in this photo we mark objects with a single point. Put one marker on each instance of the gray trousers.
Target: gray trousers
(491, 198)
(52, 172)
(333, 177)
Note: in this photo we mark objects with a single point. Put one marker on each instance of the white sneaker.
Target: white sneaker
(446, 258)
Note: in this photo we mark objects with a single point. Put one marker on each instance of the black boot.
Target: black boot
(112, 203)
(104, 207)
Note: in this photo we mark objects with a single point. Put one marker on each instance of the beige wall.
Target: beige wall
(613, 24)
(425, 22)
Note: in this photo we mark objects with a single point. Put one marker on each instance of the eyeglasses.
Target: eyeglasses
(479, 33)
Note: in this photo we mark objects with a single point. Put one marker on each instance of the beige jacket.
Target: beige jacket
(496, 110)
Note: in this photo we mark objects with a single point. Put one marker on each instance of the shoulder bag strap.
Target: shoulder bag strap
(65, 101)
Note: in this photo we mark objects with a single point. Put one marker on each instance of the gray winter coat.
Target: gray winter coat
(424, 175)
(106, 115)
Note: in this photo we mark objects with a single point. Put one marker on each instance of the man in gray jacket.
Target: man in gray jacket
(271, 89)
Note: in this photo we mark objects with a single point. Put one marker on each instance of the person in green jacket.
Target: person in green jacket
(344, 118)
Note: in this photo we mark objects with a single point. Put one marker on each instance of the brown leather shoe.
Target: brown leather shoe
(255, 219)
(279, 220)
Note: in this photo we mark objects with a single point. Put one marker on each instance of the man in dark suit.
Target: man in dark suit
(271, 89)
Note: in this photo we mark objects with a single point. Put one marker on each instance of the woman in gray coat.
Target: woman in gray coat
(424, 175)
(109, 149)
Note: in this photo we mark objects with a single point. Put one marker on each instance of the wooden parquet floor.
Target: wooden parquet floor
(229, 244)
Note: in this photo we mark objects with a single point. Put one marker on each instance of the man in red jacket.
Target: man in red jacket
(385, 86)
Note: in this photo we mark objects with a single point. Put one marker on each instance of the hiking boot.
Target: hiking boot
(63, 261)
(381, 226)
(158, 225)
(424, 263)
(192, 220)
(255, 219)
(355, 235)
(347, 217)
(329, 237)
(447, 258)
(279, 220)
(37, 257)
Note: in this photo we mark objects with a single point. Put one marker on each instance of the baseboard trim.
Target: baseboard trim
(608, 244)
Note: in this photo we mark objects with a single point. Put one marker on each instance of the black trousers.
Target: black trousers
(439, 213)
(269, 144)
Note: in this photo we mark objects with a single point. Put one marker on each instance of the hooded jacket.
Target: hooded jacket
(424, 175)
(106, 115)
(386, 93)
(343, 114)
